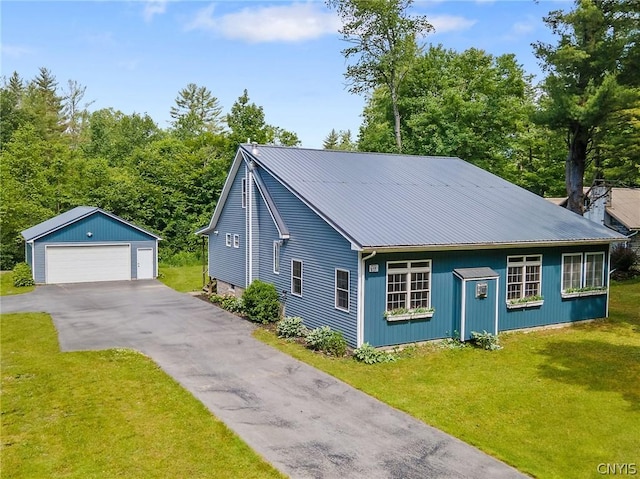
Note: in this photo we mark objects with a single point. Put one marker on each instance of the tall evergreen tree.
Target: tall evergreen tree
(196, 111)
(593, 73)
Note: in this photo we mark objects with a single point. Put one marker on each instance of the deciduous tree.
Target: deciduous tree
(384, 41)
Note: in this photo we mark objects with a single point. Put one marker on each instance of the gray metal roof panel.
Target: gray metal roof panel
(387, 200)
(57, 222)
(475, 273)
(71, 216)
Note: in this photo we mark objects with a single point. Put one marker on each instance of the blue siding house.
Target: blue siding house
(394, 249)
(87, 244)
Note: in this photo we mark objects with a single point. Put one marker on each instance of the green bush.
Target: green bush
(623, 258)
(485, 340)
(261, 302)
(327, 340)
(291, 327)
(369, 355)
(22, 275)
(228, 302)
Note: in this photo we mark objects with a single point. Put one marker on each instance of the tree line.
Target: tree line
(55, 154)
(580, 123)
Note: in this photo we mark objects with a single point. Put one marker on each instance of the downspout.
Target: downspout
(606, 313)
(360, 315)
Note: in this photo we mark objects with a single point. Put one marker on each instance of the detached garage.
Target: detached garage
(87, 244)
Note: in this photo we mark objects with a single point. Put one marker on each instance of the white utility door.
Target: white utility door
(145, 263)
(84, 263)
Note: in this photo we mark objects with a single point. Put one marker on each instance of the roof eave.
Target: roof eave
(486, 246)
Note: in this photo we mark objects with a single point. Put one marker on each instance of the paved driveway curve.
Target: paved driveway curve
(303, 421)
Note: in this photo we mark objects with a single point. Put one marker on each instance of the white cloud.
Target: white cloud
(450, 23)
(524, 27)
(152, 8)
(281, 23)
(15, 51)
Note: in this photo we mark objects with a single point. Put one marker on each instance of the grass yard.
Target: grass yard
(7, 287)
(183, 279)
(105, 414)
(552, 403)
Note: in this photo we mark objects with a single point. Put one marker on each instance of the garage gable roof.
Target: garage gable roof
(70, 217)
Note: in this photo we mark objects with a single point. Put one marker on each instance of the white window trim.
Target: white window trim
(348, 290)
(582, 266)
(228, 240)
(524, 263)
(584, 272)
(301, 277)
(244, 192)
(236, 241)
(276, 257)
(597, 290)
(408, 270)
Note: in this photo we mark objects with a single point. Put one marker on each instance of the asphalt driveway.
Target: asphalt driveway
(304, 422)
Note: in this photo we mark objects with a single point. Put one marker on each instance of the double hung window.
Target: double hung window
(408, 284)
(296, 277)
(524, 276)
(342, 289)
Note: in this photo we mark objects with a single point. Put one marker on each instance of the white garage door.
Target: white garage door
(82, 264)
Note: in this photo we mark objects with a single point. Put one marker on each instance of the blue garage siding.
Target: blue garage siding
(228, 263)
(102, 228)
(445, 295)
(321, 249)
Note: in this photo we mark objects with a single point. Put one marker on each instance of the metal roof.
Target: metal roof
(68, 217)
(381, 200)
(475, 273)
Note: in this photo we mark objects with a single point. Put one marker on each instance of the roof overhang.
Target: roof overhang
(32, 239)
(488, 246)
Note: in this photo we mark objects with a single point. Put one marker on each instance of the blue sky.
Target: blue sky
(135, 56)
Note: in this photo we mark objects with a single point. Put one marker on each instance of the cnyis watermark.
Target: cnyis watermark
(618, 468)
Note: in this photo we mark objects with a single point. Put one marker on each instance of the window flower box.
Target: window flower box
(581, 292)
(403, 314)
(528, 302)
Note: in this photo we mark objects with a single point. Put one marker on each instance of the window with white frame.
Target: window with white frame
(594, 270)
(296, 277)
(236, 241)
(408, 284)
(524, 276)
(571, 271)
(244, 192)
(276, 257)
(342, 289)
(582, 270)
(228, 240)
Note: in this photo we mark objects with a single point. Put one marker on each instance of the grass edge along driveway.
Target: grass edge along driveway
(553, 403)
(109, 413)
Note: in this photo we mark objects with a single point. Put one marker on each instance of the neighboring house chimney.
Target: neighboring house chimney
(597, 199)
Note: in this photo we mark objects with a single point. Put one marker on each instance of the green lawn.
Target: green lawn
(105, 414)
(7, 287)
(552, 403)
(182, 278)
